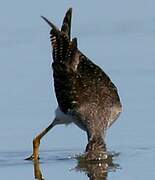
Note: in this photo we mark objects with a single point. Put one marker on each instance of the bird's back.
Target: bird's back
(82, 88)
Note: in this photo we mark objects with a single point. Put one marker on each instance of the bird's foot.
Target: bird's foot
(32, 157)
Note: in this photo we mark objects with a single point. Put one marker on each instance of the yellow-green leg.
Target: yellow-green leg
(36, 142)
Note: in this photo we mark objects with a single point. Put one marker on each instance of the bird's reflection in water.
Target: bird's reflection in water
(95, 170)
(98, 170)
(37, 170)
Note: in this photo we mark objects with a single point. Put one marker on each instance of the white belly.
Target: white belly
(61, 118)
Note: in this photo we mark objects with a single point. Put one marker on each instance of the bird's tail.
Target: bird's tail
(60, 39)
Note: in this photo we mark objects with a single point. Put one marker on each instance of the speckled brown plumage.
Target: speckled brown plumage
(84, 92)
(82, 88)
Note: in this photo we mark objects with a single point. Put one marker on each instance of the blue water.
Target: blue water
(117, 35)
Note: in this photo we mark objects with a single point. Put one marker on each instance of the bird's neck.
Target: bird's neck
(96, 143)
(96, 148)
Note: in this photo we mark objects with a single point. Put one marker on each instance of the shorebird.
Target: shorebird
(85, 94)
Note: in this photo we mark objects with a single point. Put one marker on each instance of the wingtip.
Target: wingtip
(48, 22)
(70, 10)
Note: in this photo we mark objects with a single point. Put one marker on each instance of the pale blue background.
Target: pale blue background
(117, 35)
